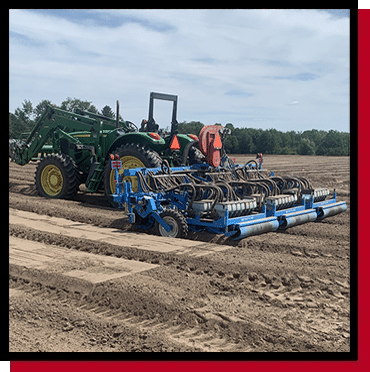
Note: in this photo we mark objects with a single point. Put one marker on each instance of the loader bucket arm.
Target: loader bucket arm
(51, 120)
(113, 123)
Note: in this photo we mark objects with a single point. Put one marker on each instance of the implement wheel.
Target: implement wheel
(132, 156)
(56, 177)
(174, 219)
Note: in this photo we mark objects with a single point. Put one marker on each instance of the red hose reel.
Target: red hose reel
(210, 144)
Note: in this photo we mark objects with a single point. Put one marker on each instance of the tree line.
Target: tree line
(272, 141)
(240, 141)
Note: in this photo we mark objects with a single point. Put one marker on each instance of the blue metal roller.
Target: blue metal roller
(331, 210)
(259, 227)
(297, 218)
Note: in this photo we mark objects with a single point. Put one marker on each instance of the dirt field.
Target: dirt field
(82, 279)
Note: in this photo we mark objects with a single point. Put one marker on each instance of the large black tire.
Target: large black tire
(174, 219)
(192, 155)
(196, 156)
(56, 177)
(132, 155)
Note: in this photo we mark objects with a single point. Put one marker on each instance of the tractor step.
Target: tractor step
(94, 177)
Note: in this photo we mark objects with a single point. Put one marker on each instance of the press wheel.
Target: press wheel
(177, 222)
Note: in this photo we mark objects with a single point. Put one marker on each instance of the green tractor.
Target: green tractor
(75, 148)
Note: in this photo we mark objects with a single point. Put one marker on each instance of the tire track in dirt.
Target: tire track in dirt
(226, 279)
(204, 329)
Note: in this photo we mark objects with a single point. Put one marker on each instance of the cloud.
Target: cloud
(213, 60)
(238, 93)
(94, 18)
(302, 76)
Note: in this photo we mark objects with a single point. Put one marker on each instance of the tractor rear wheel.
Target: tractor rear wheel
(56, 177)
(132, 156)
(177, 222)
(196, 156)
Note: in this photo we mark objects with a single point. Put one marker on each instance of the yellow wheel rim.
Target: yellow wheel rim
(52, 180)
(128, 162)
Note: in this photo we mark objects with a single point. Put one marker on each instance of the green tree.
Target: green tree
(231, 144)
(40, 108)
(21, 121)
(295, 139)
(193, 127)
(16, 126)
(274, 142)
(26, 112)
(306, 147)
(334, 144)
(107, 111)
(255, 135)
(230, 126)
(264, 142)
(246, 145)
(346, 143)
(314, 135)
(75, 104)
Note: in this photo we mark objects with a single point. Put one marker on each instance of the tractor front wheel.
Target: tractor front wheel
(56, 177)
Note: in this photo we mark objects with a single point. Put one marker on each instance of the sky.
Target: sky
(286, 69)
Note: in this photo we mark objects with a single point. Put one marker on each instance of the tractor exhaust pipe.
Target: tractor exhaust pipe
(117, 114)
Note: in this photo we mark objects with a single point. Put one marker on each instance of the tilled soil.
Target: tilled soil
(281, 291)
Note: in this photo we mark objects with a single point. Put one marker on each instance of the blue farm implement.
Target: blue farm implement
(219, 196)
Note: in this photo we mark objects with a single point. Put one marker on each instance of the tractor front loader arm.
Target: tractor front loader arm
(50, 121)
(23, 151)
